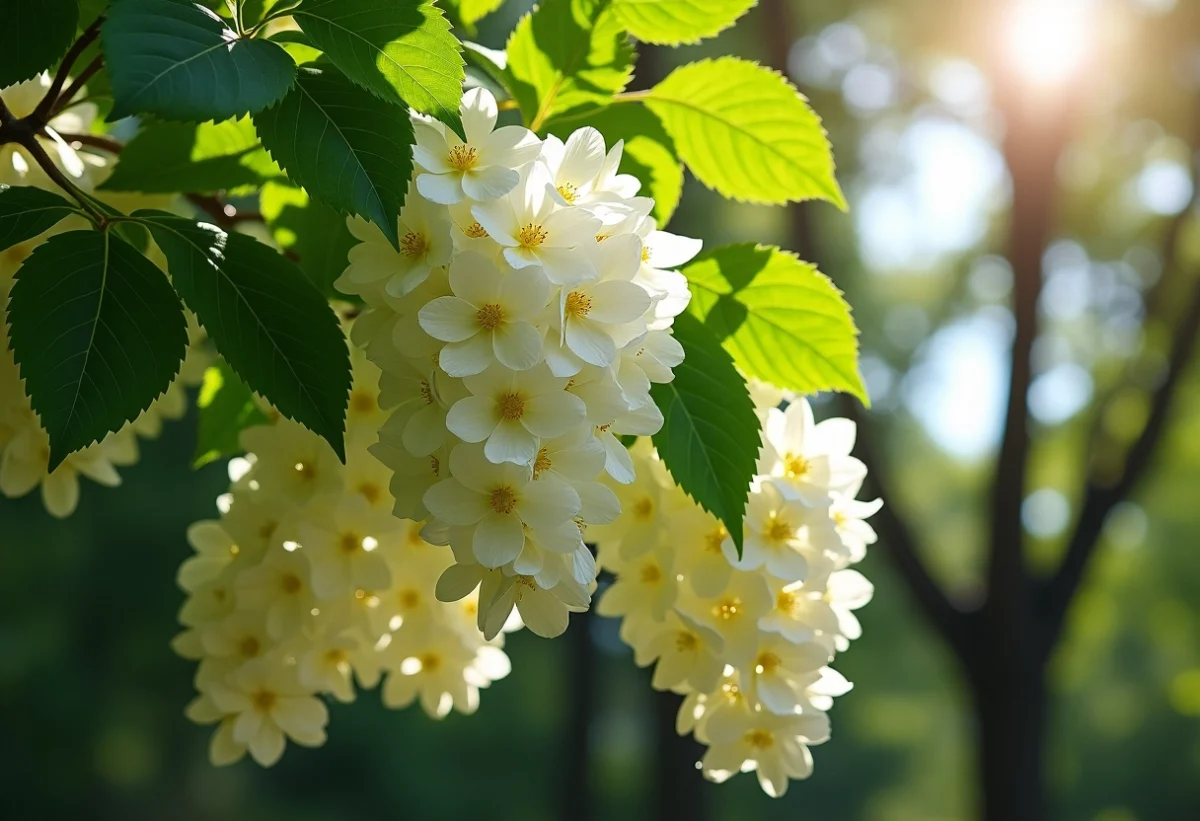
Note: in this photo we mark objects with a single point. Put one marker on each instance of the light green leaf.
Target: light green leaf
(347, 147)
(98, 333)
(179, 61)
(269, 323)
(565, 55)
(745, 131)
(26, 212)
(400, 50)
(311, 234)
(168, 157)
(671, 22)
(491, 62)
(649, 152)
(781, 319)
(226, 408)
(710, 435)
(34, 34)
(471, 12)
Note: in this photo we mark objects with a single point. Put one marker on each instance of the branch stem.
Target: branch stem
(46, 107)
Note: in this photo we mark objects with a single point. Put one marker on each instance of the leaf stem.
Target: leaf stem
(55, 173)
(46, 107)
(631, 96)
(94, 141)
(77, 84)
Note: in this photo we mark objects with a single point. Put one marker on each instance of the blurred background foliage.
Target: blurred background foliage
(91, 697)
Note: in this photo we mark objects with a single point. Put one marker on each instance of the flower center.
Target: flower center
(651, 574)
(430, 662)
(268, 529)
(489, 316)
(263, 700)
(794, 466)
(435, 465)
(503, 500)
(602, 237)
(413, 244)
(727, 609)
(786, 601)
(290, 583)
(426, 392)
(250, 647)
(463, 157)
(643, 508)
(767, 663)
(306, 470)
(371, 492)
(568, 192)
(578, 304)
(760, 739)
(336, 657)
(349, 543)
(531, 236)
(716, 539)
(686, 642)
(778, 530)
(475, 231)
(645, 253)
(542, 463)
(410, 598)
(362, 402)
(511, 406)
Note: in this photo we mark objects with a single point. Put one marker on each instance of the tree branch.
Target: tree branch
(44, 109)
(77, 85)
(1101, 497)
(94, 141)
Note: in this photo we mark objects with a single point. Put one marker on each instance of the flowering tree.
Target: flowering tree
(539, 381)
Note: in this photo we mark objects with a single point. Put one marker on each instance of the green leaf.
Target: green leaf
(35, 33)
(98, 333)
(400, 50)
(179, 61)
(781, 320)
(671, 22)
(745, 131)
(710, 435)
(226, 407)
(491, 62)
(311, 233)
(26, 212)
(272, 327)
(201, 159)
(348, 148)
(649, 152)
(566, 55)
(472, 11)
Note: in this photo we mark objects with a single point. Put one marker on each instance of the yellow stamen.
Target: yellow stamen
(463, 157)
(578, 304)
(489, 316)
(568, 192)
(531, 236)
(511, 406)
(686, 642)
(714, 541)
(651, 574)
(643, 508)
(413, 244)
(760, 739)
(727, 609)
(475, 231)
(263, 700)
(767, 663)
(350, 542)
(503, 500)
(542, 463)
(794, 466)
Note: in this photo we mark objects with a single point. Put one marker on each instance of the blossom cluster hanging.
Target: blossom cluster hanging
(519, 326)
(24, 444)
(307, 583)
(749, 639)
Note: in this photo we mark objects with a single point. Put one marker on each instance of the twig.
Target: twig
(53, 172)
(6, 116)
(94, 141)
(77, 85)
(216, 209)
(44, 108)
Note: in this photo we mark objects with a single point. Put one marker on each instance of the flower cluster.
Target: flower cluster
(307, 583)
(748, 639)
(24, 444)
(518, 326)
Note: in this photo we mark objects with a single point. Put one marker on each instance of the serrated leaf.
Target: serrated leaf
(268, 322)
(566, 55)
(345, 146)
(98, 333)
(226, 408)
(472, 11)
(169, 157)
(312, 234)
(491, 62)
(781, 319)
(649, 152)
(400, 50)
(710, 435)
(26, 212)
(746, 132)
(180, 61)
(35, 34)
(672, 22)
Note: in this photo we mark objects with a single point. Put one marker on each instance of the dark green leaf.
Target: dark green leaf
(781, 319)
(565, 55)
(310, 232)
(200, 159)
(26, 212)
(710, 434)
(33, 35)
(226, 408)
(98, 333)
(400, 50)
(272, 327)
(346, 147)
(180, 61)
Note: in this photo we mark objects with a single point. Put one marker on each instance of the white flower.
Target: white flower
(662, 252)
(495, 504)
(535, 228)
(812, 459)
(574, 166)
(689, 655)
(342, 547)
(510, 410)
(781, 671)
(270, 706)
(774, 746)
(489, 317)
(424, 231)
(482, 168)
(772, 535)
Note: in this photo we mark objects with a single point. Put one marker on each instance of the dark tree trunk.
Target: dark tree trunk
(1010, 711)
(679, 787)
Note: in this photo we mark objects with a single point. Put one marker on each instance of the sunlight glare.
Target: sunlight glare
(1048, 40)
